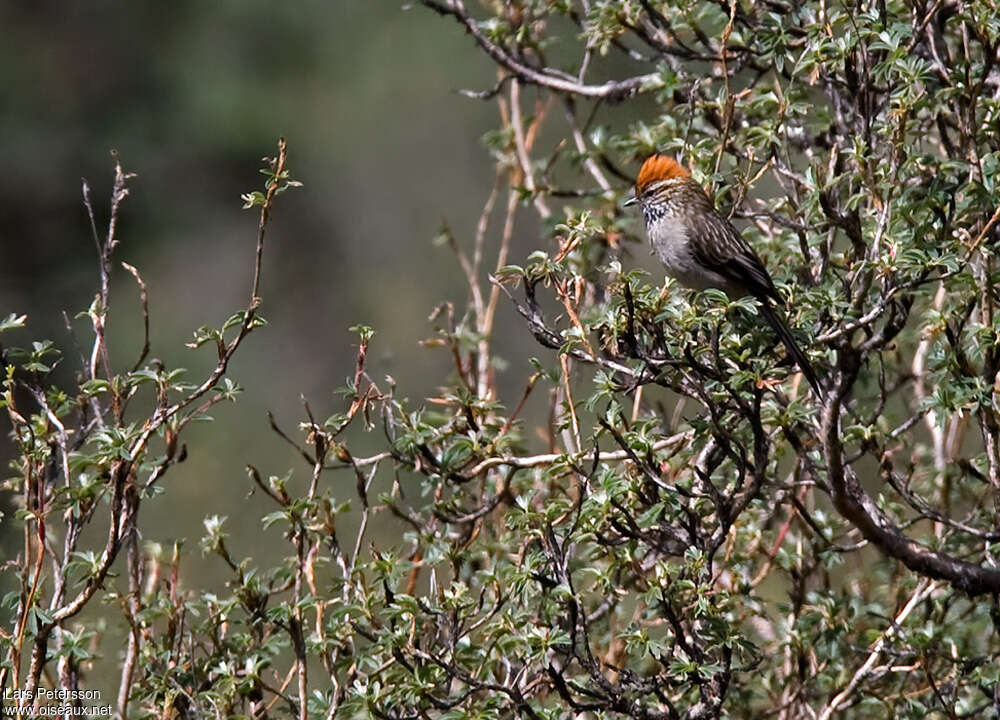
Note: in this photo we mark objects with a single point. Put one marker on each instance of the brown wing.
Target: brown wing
(717, 244)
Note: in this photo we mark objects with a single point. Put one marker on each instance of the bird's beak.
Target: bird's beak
(630, 200)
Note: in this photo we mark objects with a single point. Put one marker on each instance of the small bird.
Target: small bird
(701, 249)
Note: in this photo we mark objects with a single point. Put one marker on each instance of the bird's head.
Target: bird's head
(656, 176)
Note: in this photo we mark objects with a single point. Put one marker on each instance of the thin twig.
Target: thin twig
(613, 91)
(925, 588)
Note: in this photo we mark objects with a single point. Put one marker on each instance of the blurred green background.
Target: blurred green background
(192, 95)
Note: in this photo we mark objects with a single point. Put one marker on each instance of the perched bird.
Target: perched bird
(701, 249)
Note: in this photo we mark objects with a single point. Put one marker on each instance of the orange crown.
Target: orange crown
(659, 167)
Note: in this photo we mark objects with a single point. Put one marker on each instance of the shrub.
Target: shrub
(688, 533)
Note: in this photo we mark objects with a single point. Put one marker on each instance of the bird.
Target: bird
(701, 249)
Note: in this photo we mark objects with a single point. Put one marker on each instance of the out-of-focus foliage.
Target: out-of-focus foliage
(690, 534)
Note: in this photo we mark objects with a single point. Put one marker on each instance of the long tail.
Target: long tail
(793, 348)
